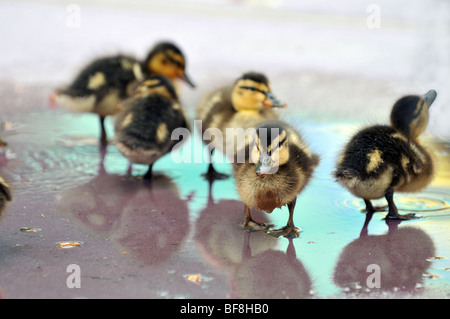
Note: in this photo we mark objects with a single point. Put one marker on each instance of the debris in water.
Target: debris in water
(431, 276)
(435, 258)
(30, 230)
(68, 244)
(197, 279)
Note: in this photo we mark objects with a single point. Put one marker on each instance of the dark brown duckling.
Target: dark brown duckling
(277, 167)
(383, 159)
(103, 83)
(143, 128)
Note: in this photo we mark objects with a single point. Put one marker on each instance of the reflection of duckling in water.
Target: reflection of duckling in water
(401, 256)
(5, 194)
(249, 257)
(154, 224)
(276, 169)
(149, 223)
(219, 220)
(143, 129)
(248, 101)
(255, 277)
(97, 205)
(103, 83)
(382, 159)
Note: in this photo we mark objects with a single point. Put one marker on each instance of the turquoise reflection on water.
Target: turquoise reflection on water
(330, 217)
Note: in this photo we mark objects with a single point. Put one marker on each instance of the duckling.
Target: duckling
(5, 194)
(277, 167)
(102, 84)
(241, 105)
(382, 159)
(142, 130)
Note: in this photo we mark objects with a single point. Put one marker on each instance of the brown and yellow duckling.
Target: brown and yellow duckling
(5, 194)
(143, 129)
(382, 159)
(241, 105)
(277, 168)
(102, 84)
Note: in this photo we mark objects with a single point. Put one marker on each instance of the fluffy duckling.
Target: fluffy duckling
(5, 194)
(382, 159)
(277, 167)
(143, 129)
(241, 105)
(102, 84)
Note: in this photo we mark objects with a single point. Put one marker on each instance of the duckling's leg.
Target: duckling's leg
(103, 139)
(372, 209)
(148, 175)
(369, 213)
(288, 231)
(212, 174)
(393, 211)
(250, 225)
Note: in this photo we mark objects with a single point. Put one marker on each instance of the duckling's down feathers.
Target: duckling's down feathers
(278, 189)
(112, 72)
(381, 155)
(148, 115)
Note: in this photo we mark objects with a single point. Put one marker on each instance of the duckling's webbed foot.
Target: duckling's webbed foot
(288, 231)
(250, 225)
(212, 174)
(149, 175)
(393, 211)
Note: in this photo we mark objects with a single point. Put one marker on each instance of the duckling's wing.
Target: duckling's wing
(148, 123)
(102, 75)
(216, 107)
(372, 150)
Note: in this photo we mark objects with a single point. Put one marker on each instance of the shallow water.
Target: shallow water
(74, 204)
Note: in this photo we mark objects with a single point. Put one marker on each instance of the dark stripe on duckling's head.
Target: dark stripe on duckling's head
(271, 135)
(410, 114)
(252, 92)
(167, 59)
(157, 84)
(256, 77)
(270, 150)
(163, 47)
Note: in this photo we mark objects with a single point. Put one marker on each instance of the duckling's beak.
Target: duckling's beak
(272, 101)
(429, 97)
(187, 79)
(264, 166)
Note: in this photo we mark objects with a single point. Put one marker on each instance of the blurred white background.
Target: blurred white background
(345, 60)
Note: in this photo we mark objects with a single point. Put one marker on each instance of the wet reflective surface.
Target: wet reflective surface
(176, 237)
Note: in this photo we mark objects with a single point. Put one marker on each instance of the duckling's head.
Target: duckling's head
(157, 84)
(270, 149)
(251, 92)
(410, 114)
(168, 60)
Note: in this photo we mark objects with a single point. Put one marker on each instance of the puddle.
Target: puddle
(125, 226)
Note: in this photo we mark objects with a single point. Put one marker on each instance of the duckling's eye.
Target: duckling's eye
(251, 88)
(164, 61)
